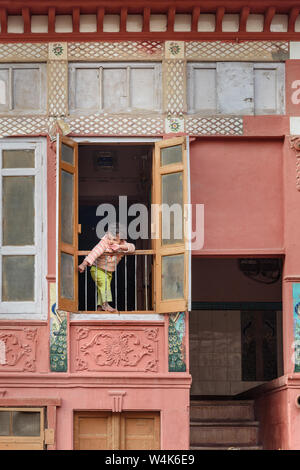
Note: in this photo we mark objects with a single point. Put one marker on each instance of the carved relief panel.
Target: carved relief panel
(130, 349)
(18, 349)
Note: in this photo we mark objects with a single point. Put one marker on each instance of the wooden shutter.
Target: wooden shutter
(235, 89)
(140, 431)
(93, 430)
(172, 255)
(104, 430)
(67, 224)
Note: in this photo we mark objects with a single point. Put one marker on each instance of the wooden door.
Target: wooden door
(104, 430)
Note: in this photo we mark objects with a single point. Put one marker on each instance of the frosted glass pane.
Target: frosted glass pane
(17, 278)
(172, 208)
(67, 154)
(67, 276)
(172, 277)
(67, 210)
(171, 155)
(4, 423)
(18, 159)
(18, 210)
(26, 423)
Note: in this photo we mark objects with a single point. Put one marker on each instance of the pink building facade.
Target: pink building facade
(93, 97)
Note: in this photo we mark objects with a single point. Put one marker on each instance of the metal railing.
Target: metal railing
(131, 284)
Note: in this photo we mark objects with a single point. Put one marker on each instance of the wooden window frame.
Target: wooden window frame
(280, 82)
(42, 67)
(173, 305)
(176, 305)
(128, 66)
(64, 303)
(27, 440)
(37, 250)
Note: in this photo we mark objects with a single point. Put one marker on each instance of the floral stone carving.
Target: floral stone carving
(18, 349)
(103, 349)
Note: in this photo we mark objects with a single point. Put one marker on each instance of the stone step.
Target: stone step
(221, 410)
(203, 433)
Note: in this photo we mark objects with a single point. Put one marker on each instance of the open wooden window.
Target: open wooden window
(170, 250)
(67, 226)
(171, 197)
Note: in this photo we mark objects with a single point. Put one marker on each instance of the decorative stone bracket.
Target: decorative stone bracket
(295, 145)
(117, 404)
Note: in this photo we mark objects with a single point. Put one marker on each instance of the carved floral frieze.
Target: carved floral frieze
(18, 349)
(118, 349)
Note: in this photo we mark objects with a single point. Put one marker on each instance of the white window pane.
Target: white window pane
(18, 278)
(142, 88)
(18, 210)
(87, 88)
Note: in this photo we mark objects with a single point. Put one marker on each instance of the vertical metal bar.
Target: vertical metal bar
(116, 284)
(85, 289)
(125, 283)
(105, 278)
(146, 280)
(135, 283)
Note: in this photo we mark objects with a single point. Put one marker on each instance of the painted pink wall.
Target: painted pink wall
(166, 393)
(273, 414)
(240, 184)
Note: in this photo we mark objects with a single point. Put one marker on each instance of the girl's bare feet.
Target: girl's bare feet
(107, 308)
